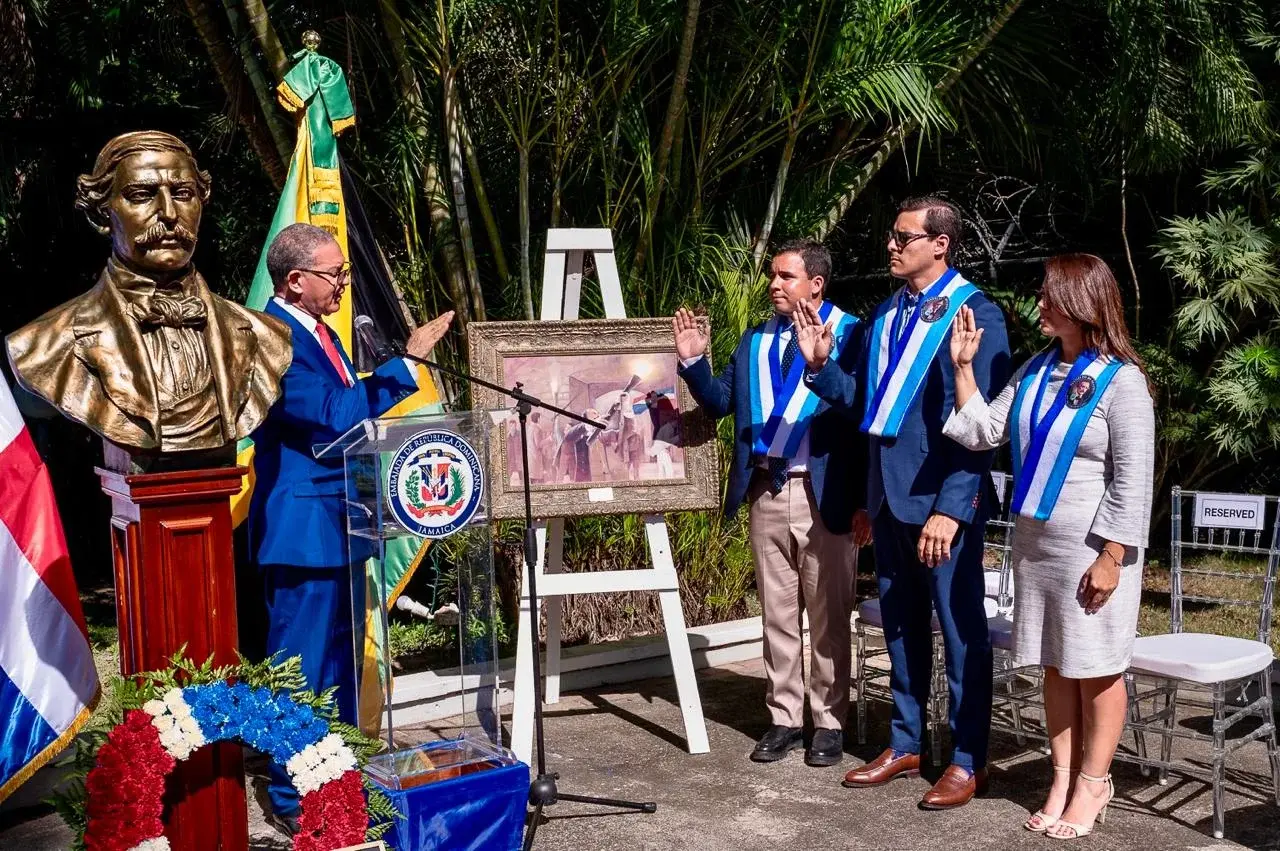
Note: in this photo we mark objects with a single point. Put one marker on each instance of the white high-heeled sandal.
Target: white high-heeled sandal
(1047, 821)
(1079, 831)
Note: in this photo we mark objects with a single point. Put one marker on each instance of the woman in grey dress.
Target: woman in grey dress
(1081, 524)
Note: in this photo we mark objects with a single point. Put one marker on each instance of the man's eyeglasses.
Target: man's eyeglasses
(903, 238)
(338, 278)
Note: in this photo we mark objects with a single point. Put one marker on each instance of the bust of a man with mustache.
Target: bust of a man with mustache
(150, 358)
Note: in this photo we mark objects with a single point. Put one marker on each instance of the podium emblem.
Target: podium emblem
(435, 483)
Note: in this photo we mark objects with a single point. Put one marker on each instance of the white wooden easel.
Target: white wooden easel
(561, 295)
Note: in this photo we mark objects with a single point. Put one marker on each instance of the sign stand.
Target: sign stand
(561, 297)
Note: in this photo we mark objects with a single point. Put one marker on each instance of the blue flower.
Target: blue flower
(238, 695)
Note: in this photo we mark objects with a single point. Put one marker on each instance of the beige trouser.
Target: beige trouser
(801, 566)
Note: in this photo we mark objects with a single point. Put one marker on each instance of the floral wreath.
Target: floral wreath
(115, 802)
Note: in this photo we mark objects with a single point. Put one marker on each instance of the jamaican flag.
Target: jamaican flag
(320, 190)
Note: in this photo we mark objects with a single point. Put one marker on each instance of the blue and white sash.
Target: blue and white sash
(1044, 446)
(782, 406)
(896, 368)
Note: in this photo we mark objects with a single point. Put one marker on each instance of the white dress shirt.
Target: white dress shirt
(306, 320)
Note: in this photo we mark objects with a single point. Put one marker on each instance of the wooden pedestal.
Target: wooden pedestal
(175, 585)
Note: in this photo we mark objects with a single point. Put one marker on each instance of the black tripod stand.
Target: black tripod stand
(543, 791)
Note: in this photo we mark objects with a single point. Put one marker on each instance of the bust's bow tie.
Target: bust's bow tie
(175, 311)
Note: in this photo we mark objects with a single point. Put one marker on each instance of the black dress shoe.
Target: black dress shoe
(827, 748)
(288, 825)
(777, 742)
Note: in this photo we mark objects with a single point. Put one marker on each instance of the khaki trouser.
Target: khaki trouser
(801, 566)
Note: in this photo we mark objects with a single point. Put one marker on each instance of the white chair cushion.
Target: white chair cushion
(991, 583)
(1001, 628)
(869, 613)
(1199, 657)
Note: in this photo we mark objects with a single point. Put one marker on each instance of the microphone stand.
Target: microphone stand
(543, 791)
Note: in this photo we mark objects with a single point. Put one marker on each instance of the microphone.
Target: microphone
(377, 346)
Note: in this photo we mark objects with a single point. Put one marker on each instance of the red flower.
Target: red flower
(126, 786)
(333, 816)
(125, 791)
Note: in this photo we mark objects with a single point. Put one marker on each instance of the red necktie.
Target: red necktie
(331, 350)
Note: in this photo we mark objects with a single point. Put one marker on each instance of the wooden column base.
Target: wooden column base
(175, 586)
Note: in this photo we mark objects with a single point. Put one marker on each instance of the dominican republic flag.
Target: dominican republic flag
(48, 685)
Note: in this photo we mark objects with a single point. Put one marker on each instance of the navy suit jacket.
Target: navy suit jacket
(837, 450)
(922, 471)
(296, 516)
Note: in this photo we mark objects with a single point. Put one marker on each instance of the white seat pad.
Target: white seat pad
(991, 583)
(1199, 657)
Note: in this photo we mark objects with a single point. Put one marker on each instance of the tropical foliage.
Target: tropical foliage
(702, 132)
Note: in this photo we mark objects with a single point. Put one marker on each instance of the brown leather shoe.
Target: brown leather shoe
(955, 788)
(882, 769)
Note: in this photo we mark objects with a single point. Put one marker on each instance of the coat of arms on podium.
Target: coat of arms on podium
(435, 483)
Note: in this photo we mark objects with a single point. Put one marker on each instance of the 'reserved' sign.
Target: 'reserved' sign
(1230, 510)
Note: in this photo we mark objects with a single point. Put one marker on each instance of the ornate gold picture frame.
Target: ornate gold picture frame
(658, 453)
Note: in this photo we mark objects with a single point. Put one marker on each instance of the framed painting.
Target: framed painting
(657, 451)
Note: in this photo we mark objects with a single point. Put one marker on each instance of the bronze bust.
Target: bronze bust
(149, 358)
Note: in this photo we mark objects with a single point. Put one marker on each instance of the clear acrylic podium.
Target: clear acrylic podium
(413, 482)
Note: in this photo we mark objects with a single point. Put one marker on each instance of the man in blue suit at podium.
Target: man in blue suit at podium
(297, 526)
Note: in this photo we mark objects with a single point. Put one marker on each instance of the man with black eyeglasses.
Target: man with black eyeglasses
(297, 526)
(928, 498)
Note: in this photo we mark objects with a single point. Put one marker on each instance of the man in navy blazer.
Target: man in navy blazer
(798, 464)
(297, 524)
(928, 497)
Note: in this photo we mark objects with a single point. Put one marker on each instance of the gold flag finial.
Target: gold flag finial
(311, 40)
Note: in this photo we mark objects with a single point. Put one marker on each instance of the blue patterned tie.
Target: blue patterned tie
(910, 300)
(778, 466)
(789, 353)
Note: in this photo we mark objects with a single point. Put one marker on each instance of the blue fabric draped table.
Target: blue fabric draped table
(481, 811)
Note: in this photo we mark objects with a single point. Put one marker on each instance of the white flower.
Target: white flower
(181, 711)
(331, 744)
(174, 742)
(345, 761)
(306, 782)
(191, 727)
(164, 723)
(295, 765)
(303, 762)
(160, 843)
(173, 699)
(154, 708)
(320, 763)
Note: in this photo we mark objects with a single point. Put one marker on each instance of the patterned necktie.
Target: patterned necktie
(778, 466)
(909, 303)
(789, 353)
(331, 351)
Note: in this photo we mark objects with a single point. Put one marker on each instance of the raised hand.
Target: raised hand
(424, 338)
(814, 339)
(690, 334)
(965, 337)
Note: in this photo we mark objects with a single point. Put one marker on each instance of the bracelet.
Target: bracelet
(1106, 552)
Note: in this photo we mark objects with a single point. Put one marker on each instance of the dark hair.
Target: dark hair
(816, 257)
(1083, 288)
(293, 248)
(93, 190)
(941, 217)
